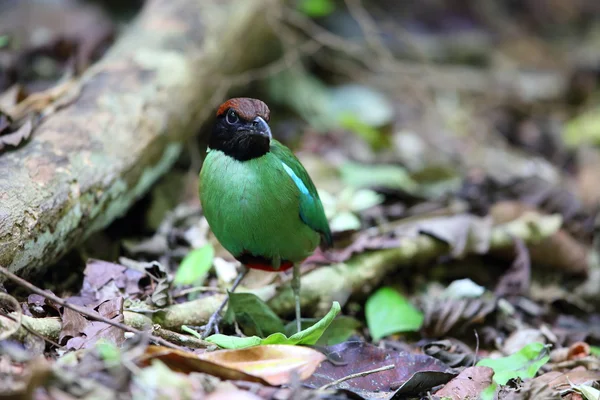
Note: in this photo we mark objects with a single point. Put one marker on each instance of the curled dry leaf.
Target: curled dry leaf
(412, 373)
(468, 384)
(575, 351)
(456, 316)
(451, 352)
(551, 384)
(270, 364)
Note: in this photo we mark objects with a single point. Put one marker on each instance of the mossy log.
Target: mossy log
(87, 163)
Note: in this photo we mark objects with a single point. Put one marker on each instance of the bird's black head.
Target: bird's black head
(242, 129)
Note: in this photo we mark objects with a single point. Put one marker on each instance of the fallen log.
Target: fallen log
(88, 162)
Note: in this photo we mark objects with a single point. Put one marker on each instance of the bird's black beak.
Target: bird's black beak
(260, 127)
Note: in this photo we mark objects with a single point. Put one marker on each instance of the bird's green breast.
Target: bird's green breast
(254, 206)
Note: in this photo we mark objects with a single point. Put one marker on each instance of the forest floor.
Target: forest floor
(456, 152)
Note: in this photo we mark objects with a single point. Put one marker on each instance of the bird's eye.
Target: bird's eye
(232, 117)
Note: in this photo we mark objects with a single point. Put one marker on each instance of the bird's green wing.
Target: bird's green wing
(311, 208)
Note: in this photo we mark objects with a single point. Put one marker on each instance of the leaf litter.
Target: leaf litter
(466, 317)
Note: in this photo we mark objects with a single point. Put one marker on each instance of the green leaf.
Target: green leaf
(588, 392)
(253, 315)
(523, 364)
(316, 8)
(388, 312)
(366, 106)
(4, 41)
(344, 221)
(364, 199)
(583, 129)
(195, 266)
(595, 351)
(386, 176)
(108, 352)
(339, 330)
(307, 336)
(368, 133)
(236, 342)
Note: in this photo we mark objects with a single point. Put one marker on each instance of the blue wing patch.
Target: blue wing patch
(306, 199)
(301, 186)
(310, 205)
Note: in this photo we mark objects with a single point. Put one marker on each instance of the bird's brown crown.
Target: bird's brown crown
(246, 108)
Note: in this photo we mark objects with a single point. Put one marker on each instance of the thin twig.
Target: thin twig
(93, 315)
(369, 29)
(356, 375)
(476, 347)
(19, 319)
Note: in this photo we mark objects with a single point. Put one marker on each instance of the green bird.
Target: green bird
(257, 197)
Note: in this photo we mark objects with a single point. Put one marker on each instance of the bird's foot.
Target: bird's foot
(212, 325)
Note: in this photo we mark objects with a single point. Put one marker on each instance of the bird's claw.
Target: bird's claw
(212, 325)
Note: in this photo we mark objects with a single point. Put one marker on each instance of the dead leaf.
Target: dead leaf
(232, 394)
(92, 331)
(12, 96)
(517, 278)
(277, 364)
(73, 325)
(269, 365)
(520, 338)
(17, 136)
(412, 374)
(98, 273)
(561, 251)
(464, 233)
(468, 384)
(160, 296)
(104, 281)
(550, 384)
(4, 122)
(451, 352)
(181, 361)
(573, 352)
(456, 316)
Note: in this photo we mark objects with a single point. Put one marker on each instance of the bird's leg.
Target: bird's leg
(213, 321)
(296, 289)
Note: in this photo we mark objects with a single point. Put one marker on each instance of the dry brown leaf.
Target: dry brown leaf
(575, 351)
(232, 394)
(560, 251)
(277, 364)
(411, 373)
(16, 137)
(561, 381)
(270, 364)
(443, 316)
(451, 351)
(468, 384)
